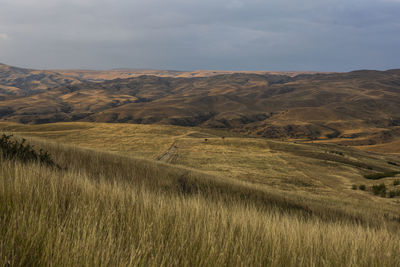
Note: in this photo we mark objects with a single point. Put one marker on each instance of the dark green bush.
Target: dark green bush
(379, 190)
(354, 187)
(396, 182)
(14, 149)
(380, 175)
(362, 187)
(394, 193)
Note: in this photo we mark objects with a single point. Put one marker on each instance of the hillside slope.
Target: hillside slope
(311, 170)
(106, 206)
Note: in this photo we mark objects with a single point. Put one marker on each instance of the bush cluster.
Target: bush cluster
(14, 149)
(394, 193)
(362, 187)
(380, 175)
(379, 190)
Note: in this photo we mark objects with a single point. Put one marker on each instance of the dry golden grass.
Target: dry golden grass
(387, 148)
(310, 168)
(112, 204)
(106, 209)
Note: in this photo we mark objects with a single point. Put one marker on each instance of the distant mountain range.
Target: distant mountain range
(356, 108)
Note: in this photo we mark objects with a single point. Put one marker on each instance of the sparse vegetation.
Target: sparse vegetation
(354, 187)
(396, 182)
(380, 175)
(379, 190)
(362, 187)
(394, 193)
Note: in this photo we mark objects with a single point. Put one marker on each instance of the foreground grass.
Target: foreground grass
(106, 210)
(66, 219)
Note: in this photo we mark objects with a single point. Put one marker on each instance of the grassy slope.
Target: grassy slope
(67, 219)
(312, 168)
(111, 209)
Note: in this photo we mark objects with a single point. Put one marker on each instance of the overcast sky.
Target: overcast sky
(322, 35)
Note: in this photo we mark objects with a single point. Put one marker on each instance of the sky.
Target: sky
(281, 35)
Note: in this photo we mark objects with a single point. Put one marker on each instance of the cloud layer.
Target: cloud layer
(330, 35)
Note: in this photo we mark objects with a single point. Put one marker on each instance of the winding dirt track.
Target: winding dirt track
(170, 154)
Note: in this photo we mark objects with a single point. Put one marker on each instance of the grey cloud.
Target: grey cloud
(190, 34)
(4, 36)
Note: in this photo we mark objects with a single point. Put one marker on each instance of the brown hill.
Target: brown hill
(18, 81)
(92, 75)
(356, 108)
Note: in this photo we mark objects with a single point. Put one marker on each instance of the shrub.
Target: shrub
(14, 149)
(362, 187)
(395, 193)
(396, 182)
(379, 190)
(380, 175)
(354, 187)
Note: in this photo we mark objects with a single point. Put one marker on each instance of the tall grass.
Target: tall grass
(159, 177)
(100, 212)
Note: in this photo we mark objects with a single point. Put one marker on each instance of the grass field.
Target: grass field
(234, 201)
(312, 168)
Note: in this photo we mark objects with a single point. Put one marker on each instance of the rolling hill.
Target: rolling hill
(358, 108)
